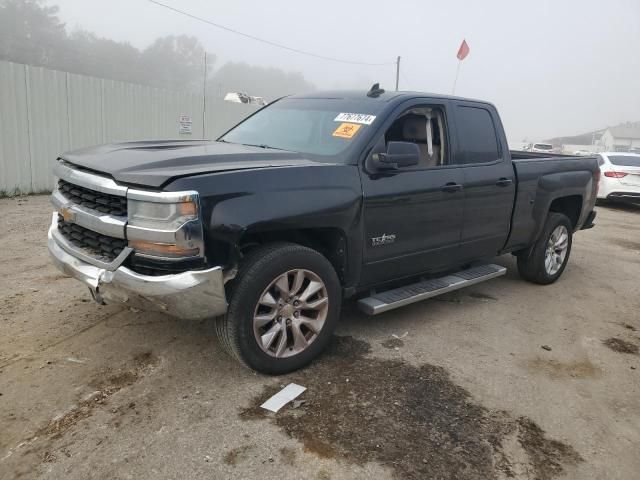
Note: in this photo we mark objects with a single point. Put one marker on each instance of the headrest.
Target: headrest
(415, 128)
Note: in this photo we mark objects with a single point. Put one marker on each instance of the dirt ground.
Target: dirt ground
(502, 380)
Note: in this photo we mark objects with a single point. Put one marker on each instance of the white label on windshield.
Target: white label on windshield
(355, 118)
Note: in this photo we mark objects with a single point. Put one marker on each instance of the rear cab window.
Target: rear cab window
(477, 136)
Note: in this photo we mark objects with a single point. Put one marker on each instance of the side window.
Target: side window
(424, 126)
(476, 136)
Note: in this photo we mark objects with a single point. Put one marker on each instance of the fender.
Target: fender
(236, 205)
(554, 186)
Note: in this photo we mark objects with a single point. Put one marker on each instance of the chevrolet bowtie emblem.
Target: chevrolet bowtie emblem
(67, 214)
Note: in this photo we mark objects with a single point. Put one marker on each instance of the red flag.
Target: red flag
(463, 51)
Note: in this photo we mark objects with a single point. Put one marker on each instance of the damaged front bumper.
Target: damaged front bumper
(192, 295)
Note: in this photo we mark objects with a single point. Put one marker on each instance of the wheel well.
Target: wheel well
(570, 206)
(330, 242)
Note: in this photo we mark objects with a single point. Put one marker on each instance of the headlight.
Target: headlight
(164, 224)
(161, 216)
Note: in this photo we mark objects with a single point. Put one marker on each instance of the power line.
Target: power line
(268, 42)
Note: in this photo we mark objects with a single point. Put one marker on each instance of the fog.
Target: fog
(551, 67)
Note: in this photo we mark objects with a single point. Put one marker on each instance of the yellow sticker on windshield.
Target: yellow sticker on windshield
(346, 130)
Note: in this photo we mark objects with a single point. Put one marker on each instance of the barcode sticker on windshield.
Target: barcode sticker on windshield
(355, 118)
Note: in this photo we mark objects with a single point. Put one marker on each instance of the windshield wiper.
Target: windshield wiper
(261, 145)
(264, 145)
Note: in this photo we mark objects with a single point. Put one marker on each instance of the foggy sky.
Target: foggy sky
(551, 67)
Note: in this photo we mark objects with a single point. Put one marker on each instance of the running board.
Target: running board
(399, 297)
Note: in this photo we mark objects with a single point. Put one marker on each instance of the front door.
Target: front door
(413, 216)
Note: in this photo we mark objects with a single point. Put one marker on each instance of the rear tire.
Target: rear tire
(274, 324)
(546, 259)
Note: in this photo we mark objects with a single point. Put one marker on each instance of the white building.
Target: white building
(623, 138)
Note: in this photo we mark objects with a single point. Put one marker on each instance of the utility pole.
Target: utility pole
(204, 97)
(397, 72)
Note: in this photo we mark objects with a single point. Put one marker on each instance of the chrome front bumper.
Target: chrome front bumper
(192, 295)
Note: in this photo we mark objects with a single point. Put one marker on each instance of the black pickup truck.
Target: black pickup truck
(388, 198)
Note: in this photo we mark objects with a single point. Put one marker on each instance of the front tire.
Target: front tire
(284, 305)
(546, 259)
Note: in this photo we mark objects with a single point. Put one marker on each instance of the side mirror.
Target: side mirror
(398, 155)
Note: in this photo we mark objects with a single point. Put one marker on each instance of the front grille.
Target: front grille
(102, 247)
(101, 202)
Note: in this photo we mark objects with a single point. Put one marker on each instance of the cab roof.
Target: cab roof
(387, 96)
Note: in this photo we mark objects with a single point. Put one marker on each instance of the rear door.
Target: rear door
(412, 216)
(489, 180)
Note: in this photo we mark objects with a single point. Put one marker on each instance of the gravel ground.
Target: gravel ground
(502, 380)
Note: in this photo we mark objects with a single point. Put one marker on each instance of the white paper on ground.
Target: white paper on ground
(283, 397)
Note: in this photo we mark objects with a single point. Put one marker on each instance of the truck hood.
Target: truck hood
(154, 163)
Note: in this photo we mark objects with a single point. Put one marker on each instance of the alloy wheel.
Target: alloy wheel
(556, 251)
(290, 313)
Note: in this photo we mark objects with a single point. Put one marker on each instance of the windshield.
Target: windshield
(543, 146)
(322, 128)
(625, 160)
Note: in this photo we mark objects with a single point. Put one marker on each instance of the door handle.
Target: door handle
(504, 182)
(451, 187)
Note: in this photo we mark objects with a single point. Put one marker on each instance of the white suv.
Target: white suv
(619, 176)
(540, 147)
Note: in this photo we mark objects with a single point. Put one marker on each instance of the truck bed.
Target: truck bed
(539, 177)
